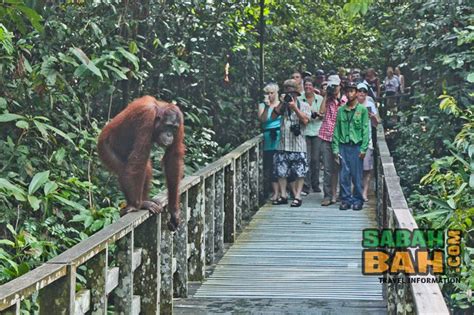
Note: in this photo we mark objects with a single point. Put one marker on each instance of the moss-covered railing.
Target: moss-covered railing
(393, 212)
(136, 263)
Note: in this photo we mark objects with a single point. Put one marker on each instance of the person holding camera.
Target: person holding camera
(350, 143)
(291, 156)
(314, 100)
(329, 107)
(271, 134)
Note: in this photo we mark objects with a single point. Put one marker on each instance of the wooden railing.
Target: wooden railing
(136, 262)
(393, 212)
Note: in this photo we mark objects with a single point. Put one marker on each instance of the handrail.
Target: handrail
(393, 212)
(214, 202)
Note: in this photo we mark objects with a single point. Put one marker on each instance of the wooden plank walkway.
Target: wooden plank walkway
(293, 260)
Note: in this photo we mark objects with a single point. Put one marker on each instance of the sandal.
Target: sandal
(297, 202)
(280, 201)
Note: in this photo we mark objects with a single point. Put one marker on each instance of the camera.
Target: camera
(314, 115)
(296, 129)
(286, 100)
(331, 89)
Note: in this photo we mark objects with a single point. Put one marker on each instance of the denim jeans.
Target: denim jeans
(351, 172)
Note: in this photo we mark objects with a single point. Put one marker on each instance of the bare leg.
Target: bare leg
(282, 184)
(298, 187)
(275, 188)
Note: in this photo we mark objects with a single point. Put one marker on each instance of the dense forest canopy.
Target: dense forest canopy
(67, 68)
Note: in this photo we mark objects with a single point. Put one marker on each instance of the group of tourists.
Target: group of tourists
(323, 122)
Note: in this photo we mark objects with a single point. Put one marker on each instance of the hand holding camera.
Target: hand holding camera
(288, 103)
(315, 115)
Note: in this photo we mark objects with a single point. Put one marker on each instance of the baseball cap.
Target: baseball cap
(362, 85)
(334, 80)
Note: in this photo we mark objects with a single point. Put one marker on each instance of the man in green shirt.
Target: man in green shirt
(349, 144)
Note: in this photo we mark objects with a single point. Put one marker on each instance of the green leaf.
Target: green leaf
(10, 117)
(49, 188)
(7, 242)
(41, 128)
(22, 124)
(440, 202)
(16, 191)
(460, 189)
(3, 103)
(96, 225)
(470, 77)
(471, 181)
(433, 214)
(452, 203)
(11, 229)
(86, 61)
(133, 47)
(117, 71)
(88, 222)
(70, 203)
(32, 15)
(130, 57)
(61, 133)
(34, 202)
(38, 180)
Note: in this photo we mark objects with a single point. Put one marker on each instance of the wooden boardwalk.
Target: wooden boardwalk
(287, 260)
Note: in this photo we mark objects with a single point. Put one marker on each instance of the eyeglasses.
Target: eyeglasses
(362, 90)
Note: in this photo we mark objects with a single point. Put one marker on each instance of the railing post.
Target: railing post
(147, 276)
(180, 250)
(166, 250)
(229, 203)
(209, 210)
(219, 212)
(123, 293)
(245, 187)
(261, 181)
(253, 173)
(238, 194)
(196, 261)
(59, 296)
(96, 277)
(13, 310)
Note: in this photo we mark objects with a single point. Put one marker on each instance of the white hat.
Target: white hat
(334, 80)
(362, 85)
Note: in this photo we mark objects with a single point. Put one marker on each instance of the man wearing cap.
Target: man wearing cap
(350, 143)
(291, 156)
(329, 107)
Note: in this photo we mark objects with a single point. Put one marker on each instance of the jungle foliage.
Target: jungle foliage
(434, 139)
